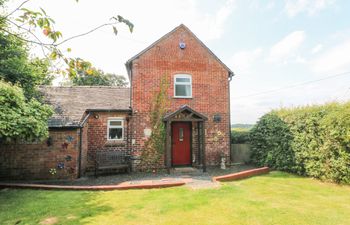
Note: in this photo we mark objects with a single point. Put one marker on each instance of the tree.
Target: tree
(100, 79)
(22, 116)
(83, 73)
(21, 119)
(29, 21)
(17, 68)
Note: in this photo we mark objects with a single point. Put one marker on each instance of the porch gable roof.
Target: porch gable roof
(185, 113)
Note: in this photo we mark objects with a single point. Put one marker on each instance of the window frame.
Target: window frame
(115, 126)
(182, 83)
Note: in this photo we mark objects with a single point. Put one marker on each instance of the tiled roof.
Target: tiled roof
(70, 103)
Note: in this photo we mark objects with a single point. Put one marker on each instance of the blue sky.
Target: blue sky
(268, 44)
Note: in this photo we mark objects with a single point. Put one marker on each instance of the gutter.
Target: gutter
(128, 66)
(81, 126)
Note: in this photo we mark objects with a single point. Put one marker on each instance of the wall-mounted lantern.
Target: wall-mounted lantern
(217, 118)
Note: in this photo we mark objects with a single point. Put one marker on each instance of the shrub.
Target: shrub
(239, 136)
(312, 141)
(21, 119)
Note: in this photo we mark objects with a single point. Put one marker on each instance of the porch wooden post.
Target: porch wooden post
(168, 146)
(203, 146)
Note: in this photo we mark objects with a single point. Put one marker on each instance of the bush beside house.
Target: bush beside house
(239, 136)
(312, 141)
(21, 119)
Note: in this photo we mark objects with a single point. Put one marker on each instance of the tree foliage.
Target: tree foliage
(22, 116)
(83, 73)
(239, 136)
(312, 141)
(17, 68)
(21, 119)
(28, 21)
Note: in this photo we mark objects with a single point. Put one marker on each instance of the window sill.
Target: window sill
(183, 97)
(115, 143)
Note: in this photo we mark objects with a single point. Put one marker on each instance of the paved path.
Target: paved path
(194, 179)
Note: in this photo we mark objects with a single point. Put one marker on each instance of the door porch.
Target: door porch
(176, 145)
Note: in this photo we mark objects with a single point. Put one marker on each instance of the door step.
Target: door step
(185, 171)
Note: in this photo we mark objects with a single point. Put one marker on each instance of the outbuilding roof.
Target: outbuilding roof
(71, 103)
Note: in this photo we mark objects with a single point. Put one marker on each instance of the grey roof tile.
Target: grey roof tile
(70, 103)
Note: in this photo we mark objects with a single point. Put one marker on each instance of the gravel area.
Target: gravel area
(198, 178)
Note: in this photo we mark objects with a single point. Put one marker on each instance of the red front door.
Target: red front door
(181, 142)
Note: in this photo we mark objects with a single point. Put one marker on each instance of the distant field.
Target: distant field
(241, 126)
(240, 129)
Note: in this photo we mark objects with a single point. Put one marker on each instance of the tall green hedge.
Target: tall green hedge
(312, 141)
(239, 136)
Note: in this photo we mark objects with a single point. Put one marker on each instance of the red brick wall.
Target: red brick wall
(209, 89)
(97, 135)
(34, 160)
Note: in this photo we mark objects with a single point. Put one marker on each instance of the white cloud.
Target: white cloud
(211, 26)
(333, 60)
(243, 61)
(317, 49)
(311, 7)
(287, 48)
(262, 5)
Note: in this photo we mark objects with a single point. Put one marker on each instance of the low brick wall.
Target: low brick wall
(33, 160)
(149, 184)
(243, 174)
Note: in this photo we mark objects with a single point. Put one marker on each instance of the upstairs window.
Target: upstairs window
(115, 130)
(182, 86)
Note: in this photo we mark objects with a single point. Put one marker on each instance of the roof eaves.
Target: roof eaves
(108, 110)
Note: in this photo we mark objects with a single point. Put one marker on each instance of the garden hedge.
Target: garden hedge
(239, 136)
(312, 141)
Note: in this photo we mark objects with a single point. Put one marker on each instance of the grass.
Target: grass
(276, 198)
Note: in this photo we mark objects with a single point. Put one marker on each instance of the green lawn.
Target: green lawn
(277, 198)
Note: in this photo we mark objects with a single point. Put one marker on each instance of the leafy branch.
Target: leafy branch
(29, 21)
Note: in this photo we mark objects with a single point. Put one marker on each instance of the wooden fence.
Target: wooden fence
(240, 153)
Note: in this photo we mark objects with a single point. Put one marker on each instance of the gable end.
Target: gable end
(128, 64)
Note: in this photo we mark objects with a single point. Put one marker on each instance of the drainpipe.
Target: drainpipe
(128, 66)
(229, 111)
(81, 126)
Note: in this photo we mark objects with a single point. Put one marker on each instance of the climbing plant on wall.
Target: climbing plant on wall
(153, 152)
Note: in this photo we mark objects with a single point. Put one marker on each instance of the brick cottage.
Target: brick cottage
(93, 119)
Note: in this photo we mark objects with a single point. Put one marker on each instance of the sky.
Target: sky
(283, 53)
